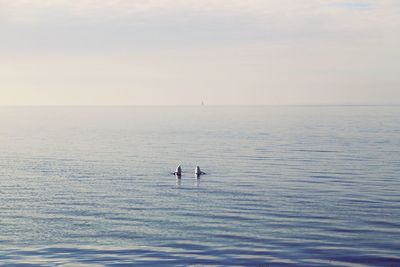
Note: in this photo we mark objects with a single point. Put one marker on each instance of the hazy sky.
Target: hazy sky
(78, 52)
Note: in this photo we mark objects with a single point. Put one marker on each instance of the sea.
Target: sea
(284, 186)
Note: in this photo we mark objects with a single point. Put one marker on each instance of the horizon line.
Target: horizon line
(194, 105)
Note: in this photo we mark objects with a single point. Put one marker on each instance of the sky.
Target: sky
(183, 52)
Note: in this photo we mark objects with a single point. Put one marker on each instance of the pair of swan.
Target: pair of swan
(197, 171)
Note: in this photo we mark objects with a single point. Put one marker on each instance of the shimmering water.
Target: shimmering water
(285, 186)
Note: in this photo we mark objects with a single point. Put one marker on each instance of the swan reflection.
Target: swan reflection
(178, 182)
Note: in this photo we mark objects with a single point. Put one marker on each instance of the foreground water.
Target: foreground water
(285, 186)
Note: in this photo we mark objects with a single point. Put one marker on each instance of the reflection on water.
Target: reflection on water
(178, 182)
(286, 186)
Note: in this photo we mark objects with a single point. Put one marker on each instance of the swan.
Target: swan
(178, 171)
(198, 172)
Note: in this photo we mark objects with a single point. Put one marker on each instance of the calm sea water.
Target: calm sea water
(285, 186)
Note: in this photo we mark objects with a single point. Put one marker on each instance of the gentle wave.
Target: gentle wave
(309, 187)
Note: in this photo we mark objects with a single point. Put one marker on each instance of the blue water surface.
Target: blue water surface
(285, 186)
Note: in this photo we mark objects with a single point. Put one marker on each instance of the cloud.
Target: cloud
(237, 51)
(272, 11)
(350, 5)
(122, 24)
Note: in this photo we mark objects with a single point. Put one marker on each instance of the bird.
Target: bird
(178, 171)
(198, 172)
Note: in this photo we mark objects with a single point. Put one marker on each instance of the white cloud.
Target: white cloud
(251, 51)
(58, 24)
(280, 10)
(287, 15)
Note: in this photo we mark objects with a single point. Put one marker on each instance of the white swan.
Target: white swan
(178, 171)
(198, 172)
